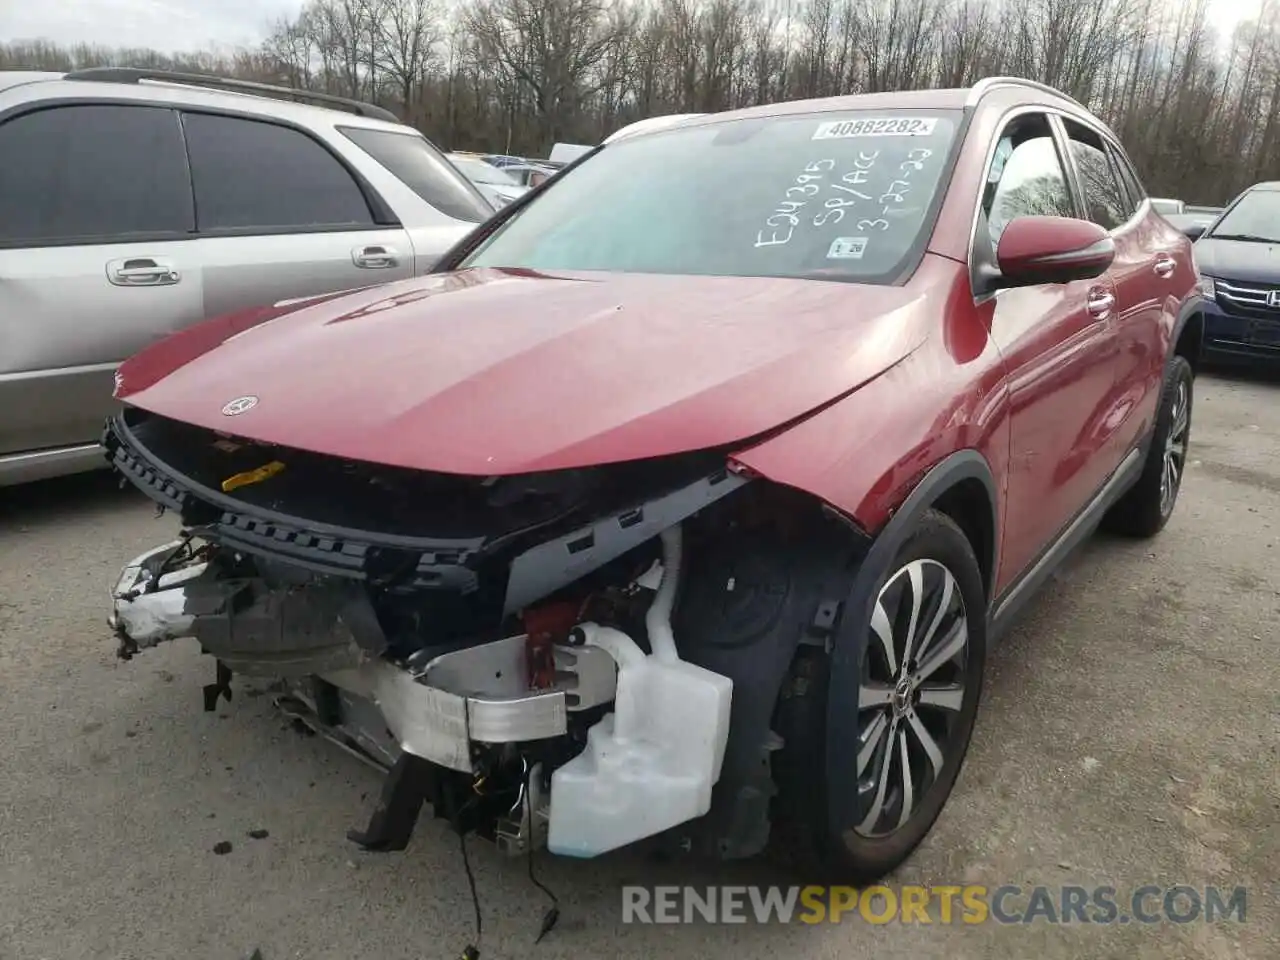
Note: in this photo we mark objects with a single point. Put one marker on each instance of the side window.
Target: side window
(1026, 176)
(1105, 202)
(96, 173)
(1130, 177)
(256, 175)
(416, 164)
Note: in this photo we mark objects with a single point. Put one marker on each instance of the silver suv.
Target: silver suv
(134, 203)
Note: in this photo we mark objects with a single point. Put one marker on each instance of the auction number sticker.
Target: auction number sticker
(876, 127)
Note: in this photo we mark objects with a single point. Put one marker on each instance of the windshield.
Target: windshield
(1255, 217)
(480, 172)
(833, 195)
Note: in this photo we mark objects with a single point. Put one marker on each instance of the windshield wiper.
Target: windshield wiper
(1248, 237)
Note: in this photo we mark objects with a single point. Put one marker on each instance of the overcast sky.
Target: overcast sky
(172, 25)
(166, 25)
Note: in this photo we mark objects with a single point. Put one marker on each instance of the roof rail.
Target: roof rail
(985, 85)
(649, 124)
(135, 74)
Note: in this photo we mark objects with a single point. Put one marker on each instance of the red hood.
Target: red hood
(491, 372)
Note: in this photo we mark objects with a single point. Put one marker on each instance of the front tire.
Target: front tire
(922, 662)
(1147, 506)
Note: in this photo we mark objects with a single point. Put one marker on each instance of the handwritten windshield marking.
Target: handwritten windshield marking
(824, 194)
(785, 218)
(836, 207)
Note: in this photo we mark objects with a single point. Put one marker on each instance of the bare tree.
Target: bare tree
(408, 36)
(1199, 114)
(550, 48)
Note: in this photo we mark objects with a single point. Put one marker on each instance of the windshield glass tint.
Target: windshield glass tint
(832, 195)
(1255, 217)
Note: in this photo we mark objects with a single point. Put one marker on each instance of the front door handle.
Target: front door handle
(142, 272)
(1100, 303)
(375, 257)
(1165, 265)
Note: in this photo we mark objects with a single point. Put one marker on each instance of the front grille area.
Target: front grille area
(1252, 300)
(421, 564)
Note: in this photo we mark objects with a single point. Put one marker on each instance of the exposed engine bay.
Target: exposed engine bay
(577, 660)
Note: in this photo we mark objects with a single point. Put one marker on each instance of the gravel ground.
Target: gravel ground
(1130, 735)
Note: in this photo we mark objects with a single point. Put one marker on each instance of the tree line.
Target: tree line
(1198, 112)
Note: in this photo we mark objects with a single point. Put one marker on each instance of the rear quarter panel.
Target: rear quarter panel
(430, 231)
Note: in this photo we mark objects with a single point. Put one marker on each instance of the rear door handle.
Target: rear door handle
(142, 272)
(375, 257)
(1100, 303)
(1165, 265)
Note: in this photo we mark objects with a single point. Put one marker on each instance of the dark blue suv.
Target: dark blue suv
(1239, 258)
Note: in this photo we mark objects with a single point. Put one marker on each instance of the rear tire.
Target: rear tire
(917, 702)
(1147, 506)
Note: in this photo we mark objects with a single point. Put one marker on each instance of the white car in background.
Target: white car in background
(498, 187)
(528, 174)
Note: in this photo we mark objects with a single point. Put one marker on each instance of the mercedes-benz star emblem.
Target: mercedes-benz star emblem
(239, 405)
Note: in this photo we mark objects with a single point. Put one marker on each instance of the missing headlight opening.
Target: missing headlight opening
(574, 660)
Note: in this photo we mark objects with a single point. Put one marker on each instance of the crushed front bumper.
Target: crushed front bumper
(170, 592)
(644, 767)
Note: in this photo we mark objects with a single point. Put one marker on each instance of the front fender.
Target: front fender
(883, 456)
(866, 454)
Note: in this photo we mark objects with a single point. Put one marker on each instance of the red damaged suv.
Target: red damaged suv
(684, 500)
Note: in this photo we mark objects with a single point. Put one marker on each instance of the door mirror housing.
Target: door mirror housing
(1194, 231)
(1035, 250)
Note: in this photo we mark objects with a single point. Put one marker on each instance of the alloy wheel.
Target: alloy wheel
(911, 695)
(1175, 447)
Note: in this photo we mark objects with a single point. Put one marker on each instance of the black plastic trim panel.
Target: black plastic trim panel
(403, 563)
(413, 562)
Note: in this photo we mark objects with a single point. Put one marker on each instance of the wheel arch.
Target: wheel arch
(834, 580)
(1188, 334)
(960, 483)
(970, 502)
(963, 487)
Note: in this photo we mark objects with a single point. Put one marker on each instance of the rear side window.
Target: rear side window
(1026, 178)
(1105, 201)
(252, 175)
(93, 173)
(1130, 177)
(412, 161)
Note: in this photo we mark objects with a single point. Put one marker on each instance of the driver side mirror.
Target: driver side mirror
(1194, 231)
(1035, 250)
